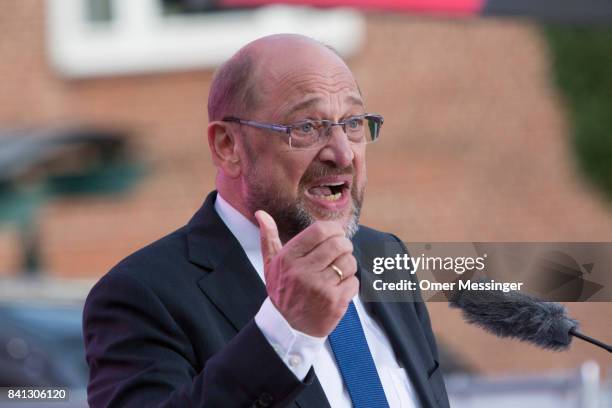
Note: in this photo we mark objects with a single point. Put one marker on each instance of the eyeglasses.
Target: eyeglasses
(310, 134)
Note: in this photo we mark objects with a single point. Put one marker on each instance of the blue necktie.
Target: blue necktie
(353, 356)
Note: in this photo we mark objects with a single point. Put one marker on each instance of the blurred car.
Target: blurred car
(41, 343)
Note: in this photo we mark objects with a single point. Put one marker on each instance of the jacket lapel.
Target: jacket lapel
(232, 284)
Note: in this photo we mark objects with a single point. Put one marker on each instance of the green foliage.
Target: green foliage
(582, 66)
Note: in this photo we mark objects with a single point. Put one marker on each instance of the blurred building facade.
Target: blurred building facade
(474, 148)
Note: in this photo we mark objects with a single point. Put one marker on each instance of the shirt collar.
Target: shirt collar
(244, 230)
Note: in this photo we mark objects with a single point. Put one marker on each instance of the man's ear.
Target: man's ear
(224, 149)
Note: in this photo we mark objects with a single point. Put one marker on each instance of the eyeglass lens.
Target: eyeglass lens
(310, 134)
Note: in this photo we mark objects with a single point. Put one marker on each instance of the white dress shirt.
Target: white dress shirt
(301, 351)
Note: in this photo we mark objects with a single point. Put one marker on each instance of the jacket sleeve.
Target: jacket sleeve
(139, 357)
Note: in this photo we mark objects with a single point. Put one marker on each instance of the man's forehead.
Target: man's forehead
(302, 87)
(319, 66)
(315, 102)
(295, 73)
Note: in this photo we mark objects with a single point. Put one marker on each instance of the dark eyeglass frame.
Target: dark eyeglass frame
(377, 119)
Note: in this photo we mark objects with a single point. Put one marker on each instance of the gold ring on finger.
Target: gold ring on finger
(338, 272)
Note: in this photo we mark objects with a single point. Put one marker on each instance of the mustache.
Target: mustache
(318, 170)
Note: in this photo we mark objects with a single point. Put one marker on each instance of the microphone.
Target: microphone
(519, 316)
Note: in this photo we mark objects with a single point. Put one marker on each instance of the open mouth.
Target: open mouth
(329, 191)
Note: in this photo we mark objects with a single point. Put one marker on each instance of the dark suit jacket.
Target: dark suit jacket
(172, 325)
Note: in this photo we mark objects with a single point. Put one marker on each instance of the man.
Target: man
(188, 320)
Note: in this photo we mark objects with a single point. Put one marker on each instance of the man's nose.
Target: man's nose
(338, 149)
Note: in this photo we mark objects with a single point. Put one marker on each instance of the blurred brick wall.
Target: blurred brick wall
(474, 148)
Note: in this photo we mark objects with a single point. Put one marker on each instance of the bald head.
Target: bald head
(282, 46)
(240, 84)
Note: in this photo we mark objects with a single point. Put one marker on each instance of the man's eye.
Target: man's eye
(306, 127)
(354, 123)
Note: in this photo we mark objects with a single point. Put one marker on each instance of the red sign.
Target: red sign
(444, 7)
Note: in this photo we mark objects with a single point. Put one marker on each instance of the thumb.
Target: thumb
(270, 242)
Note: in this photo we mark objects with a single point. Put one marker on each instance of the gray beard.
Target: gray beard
(291, 216)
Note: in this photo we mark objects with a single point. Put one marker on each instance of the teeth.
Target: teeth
(334, 184)
(332, 197)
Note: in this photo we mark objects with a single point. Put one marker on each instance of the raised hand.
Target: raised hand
(300, 280)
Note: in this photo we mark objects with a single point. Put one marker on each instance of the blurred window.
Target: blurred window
(92, 38)
(99, 11)
(188, 6)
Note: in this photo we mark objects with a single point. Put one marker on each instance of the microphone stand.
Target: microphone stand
(591, 340)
